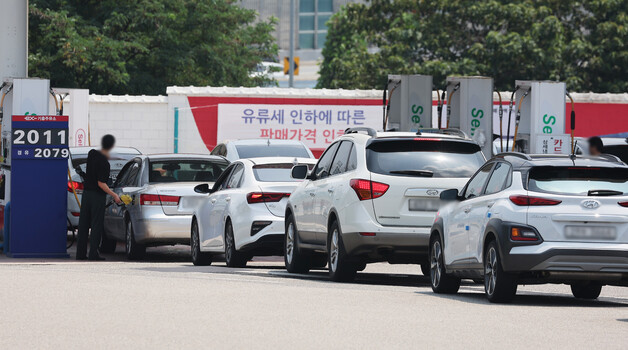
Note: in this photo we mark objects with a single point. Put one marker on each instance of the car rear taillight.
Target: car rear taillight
(155, 199)
(366, 189)
(623, 204)
(533, 201)
(520, 234)
(78, 186)
(265, 197)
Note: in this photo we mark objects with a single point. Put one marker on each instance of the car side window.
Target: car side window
(477, 182)
(131, 179)
(122, 175)
(322, 167)
(221, 183)
(236, 177)
(342, 156)
(352, 163)
(499, 178)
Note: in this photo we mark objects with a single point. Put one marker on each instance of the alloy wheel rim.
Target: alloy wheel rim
(435, 264)
(194, 242)
(490, 275)
(333, 253)
(289, 243)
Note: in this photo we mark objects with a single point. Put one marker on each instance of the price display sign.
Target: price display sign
(39, 137)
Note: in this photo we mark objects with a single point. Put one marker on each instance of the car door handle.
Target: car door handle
(330, 190)
(467, 210)
(213, 200)
(312, 194)
(228, 199)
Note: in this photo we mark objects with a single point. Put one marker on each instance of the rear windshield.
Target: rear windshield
(116, 162)
(182, 170)
(620, 151)
(279, 172)
(579, 180)
(255, 151)
(424, 158)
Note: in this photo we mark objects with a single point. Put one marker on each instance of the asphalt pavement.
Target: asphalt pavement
(166, 302)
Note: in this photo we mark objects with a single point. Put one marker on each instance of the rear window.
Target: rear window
(116, 162)
(579, 180)
(424, 158)
(279, 172)
(620, 151)
(184, 170)
(255, 151)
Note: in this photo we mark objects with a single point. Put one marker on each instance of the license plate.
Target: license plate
(591, 232)
(423, 204)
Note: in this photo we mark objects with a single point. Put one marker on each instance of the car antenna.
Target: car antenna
(268, 141)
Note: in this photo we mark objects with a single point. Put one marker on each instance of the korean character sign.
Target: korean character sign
(314, 125)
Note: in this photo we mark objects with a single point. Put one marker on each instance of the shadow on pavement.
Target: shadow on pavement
(541, 300)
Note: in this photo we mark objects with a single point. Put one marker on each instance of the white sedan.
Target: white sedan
(244, 215)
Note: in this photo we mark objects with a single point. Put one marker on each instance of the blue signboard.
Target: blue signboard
(39, 163)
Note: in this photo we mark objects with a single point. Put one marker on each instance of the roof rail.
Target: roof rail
(449, 131)
(370, 131)
(610, 157)
(513, 154)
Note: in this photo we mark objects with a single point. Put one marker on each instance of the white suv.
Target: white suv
(373, 197)
(535, 219)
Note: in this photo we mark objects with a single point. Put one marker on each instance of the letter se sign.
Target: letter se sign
(417, 112)
(547, 122)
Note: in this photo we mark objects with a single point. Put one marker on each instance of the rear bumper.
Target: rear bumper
(268, 241)
(407, 246)
(163, 229)
(569, 257)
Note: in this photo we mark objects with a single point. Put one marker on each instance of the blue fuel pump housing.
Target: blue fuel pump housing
(39, 161)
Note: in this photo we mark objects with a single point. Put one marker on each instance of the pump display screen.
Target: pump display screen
(39, 137)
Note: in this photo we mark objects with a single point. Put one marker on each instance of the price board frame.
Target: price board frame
(39, 176)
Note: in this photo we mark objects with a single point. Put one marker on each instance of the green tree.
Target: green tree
(143, 46)
(580, 42)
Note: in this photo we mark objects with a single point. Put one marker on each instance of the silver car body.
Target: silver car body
(79, 154)
(156, 224)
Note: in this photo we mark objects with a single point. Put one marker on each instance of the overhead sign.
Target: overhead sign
(315, 125)
(286, 65)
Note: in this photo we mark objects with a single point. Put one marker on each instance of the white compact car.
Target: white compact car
(373, 197)
(535, 219)
(163, 198)
(244, 215)
(258, 148)
(77, 165)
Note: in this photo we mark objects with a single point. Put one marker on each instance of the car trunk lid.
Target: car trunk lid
(179, 198)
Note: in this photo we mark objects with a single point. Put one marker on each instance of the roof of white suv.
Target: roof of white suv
(524, 161)
(366, 134)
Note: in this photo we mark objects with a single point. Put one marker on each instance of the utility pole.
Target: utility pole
(291, 81)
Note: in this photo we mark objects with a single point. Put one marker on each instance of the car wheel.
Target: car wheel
(442, 283)
(426, 269)
(134, 250)
(341, 269)
(499, 286)
(296, 261)
(198, 258)
(589, 291)
(318, 261)
(233, 257)
(107, 245)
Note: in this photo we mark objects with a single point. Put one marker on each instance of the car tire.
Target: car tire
(198, 258)
(318, 261)
(588, 291)
(107, 245)
(426, 269)
(499, 286)
(233, 257)
(442, 283)
(295, 261)
(134, 250)
(341, 268)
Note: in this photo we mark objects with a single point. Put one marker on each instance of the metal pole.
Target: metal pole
(176, 129)
(291, 82)
(13, 39)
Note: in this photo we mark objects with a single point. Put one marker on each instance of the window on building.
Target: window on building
(313, 16)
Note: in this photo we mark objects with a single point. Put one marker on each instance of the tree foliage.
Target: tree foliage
(581, 42)
(142, 46)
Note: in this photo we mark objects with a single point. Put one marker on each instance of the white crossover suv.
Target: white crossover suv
(243, 215)
(373, 197)
(525, 219)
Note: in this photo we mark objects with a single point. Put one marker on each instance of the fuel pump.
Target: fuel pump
(540, 119)
(409, 102)
(470, 109)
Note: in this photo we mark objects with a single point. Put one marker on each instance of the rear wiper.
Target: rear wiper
(423, 173)
(604, 193)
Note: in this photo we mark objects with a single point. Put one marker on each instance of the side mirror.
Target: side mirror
(131, 189)
(299, 172)
(203, 188)
(449, 195)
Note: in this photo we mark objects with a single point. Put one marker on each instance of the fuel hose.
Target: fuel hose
(449, 99)
(512, 98)
(573, 124)
(501, 117)
(518, 119)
